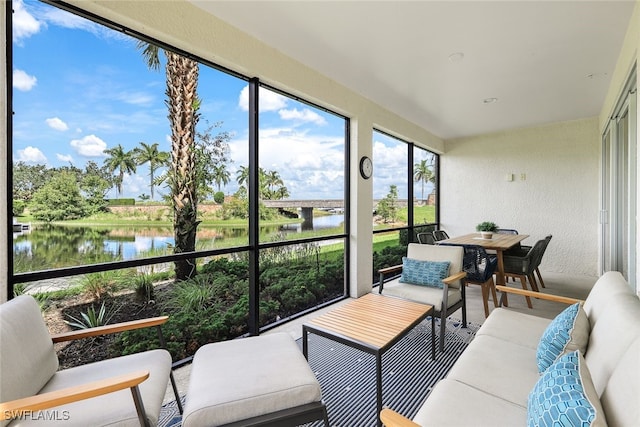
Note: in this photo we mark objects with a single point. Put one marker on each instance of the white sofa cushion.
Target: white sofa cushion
(605, 290)
(621, 397)
(491, 364)
(564, 395)
(454, 404)
(567, 332)
(514, 327)
(611, 336)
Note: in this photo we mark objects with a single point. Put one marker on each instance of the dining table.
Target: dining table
(498, 243)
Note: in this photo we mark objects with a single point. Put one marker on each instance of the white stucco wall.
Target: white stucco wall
(558, 196)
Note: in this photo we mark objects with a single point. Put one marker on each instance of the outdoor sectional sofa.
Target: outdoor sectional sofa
(491, 383)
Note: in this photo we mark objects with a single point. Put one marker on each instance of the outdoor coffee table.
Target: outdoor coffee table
(372, 323)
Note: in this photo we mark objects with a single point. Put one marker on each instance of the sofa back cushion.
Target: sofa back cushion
(27, 357)
(621, 394)
(616, 329)
(606, 289)
(453, 254)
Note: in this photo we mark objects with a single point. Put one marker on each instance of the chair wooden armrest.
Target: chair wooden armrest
(15, 408)
(387, 270)
(455, 277)
(557, 298)
(391, 418)
(109, 329)
(392, 269)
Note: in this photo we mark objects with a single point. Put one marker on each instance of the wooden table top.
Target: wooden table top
(373, 319)
(498, 242)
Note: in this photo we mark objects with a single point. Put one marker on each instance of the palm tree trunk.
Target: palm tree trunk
(182, 81)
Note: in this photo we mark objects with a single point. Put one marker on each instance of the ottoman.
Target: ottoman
(262, 380)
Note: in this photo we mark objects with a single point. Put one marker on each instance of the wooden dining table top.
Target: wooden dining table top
(499, 242)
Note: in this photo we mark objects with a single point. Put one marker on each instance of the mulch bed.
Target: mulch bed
(80, 352)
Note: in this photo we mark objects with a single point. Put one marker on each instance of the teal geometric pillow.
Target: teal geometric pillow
(567, 332)
(424, 273)
(565, 396)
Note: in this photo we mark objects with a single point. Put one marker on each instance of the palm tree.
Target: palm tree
(150, 154)
(242, 175)
(183, 103)
(221, 175)
(272, 178)
(422, 172)
(121, 161)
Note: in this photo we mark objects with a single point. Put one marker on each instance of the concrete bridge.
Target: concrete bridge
(306, 206)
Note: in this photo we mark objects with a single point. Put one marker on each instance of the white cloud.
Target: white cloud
(89, 146)
(23, 81)
(31, 155)
(24, 24)
(66, 158)
(305, 115)
(136, 98)
(268, 100)
(57, 124)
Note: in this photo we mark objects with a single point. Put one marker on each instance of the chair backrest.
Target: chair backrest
(425, 238)
(27, 357)
(439, 235)
(506, 231)
(525, 264)
(544, 248)
(478, 265)
(453, 254)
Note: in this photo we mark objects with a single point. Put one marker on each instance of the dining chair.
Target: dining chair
(439, 235)
(523, 266)
(506, 231)
(523, 249)
(446, 293)
(480, 268)
(426, 238)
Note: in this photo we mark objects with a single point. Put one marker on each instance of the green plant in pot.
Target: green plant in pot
(486, 229)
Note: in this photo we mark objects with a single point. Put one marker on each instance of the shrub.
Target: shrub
(218, 197)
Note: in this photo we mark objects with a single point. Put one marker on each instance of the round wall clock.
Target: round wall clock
(366, 167)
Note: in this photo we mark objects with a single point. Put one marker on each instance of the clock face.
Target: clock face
(366, 167)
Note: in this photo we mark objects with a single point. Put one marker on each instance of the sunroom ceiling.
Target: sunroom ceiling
(440, 64)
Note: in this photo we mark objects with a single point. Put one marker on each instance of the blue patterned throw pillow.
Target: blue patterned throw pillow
(565, 396)
(567, 332)
(425, 273)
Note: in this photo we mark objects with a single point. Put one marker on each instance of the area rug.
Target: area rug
(347, 375)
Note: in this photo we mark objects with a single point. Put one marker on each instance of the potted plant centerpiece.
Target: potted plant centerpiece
(486, 229)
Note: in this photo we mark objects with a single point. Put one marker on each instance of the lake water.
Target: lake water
(55, 246)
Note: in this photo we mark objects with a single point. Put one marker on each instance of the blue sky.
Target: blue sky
(80, 88)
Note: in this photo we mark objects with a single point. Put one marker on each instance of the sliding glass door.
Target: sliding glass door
(619, 187)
